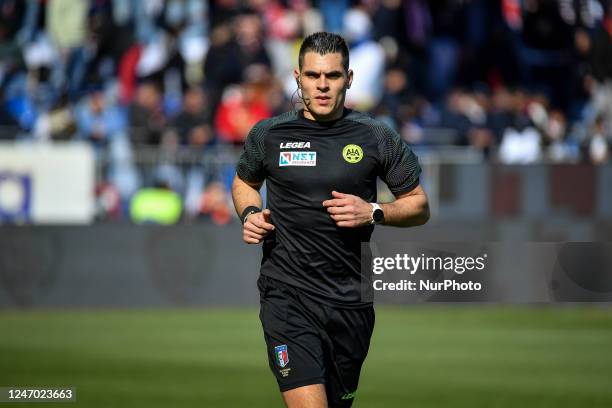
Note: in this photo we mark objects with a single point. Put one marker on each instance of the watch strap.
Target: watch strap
(248, 211)
(375, 207)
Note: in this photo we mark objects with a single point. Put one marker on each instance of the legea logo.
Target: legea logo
(295, 145)
(297, 159)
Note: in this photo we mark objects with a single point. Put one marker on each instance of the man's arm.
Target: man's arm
(245, 194)
(408, 210)
(257, 225)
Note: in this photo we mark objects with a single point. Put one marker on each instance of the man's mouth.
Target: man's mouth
(323, 100)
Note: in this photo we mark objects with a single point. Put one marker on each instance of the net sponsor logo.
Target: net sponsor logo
(297, 159)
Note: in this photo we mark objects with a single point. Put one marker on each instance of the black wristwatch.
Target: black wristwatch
(248, 211)
(378, 215)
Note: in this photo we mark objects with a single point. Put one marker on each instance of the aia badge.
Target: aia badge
(282, 357)
(297, 159)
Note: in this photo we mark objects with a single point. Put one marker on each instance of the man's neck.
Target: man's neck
(336, 115)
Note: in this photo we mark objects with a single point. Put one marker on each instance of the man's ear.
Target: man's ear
(349, 79)
(296, 75)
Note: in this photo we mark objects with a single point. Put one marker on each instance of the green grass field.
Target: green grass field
(451, 356)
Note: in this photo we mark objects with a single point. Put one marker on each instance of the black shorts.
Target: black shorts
(313, 343)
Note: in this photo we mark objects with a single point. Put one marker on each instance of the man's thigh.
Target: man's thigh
(308, 396)
(309, 344)
(349, 331)
(295, 351)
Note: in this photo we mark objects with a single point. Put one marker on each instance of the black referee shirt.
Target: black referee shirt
(302, 161)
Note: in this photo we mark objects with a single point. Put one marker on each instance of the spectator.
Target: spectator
(521, 143)
(147, 118)
(332, 11)
(396, 91)
(545, 50)
(241, 107)
(558, 148)
(98, 120)
(581, 75)
(66, 22)
(454, 116)
(192, 124)
(215, 204)
(443, 46)
(156, 205)
(602, 70)
(500, 116)
(222, 66)
(599, 143)
(367, 60)
(8, 124)
(57, 124)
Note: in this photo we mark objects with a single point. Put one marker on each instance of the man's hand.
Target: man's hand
(256, 227)
(348, 210)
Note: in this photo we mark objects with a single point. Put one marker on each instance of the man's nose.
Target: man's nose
(322, 83)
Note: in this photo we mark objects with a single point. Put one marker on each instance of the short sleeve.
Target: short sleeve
(400, 168)
(250, 166)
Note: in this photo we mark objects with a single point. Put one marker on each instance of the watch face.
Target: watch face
(378, 215)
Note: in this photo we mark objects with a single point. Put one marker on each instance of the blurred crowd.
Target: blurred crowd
(525, 81)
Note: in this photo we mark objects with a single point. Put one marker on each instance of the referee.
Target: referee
(321, 164)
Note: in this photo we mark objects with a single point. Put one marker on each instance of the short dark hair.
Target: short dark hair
(325, 43)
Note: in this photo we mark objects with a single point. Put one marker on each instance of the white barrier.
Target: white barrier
(47, 183)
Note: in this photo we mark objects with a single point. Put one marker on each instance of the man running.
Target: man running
(320, 165)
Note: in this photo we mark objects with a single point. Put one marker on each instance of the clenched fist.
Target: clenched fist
(348, 210)
(256, 227)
